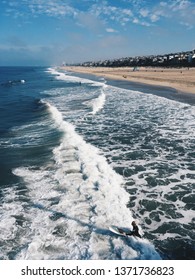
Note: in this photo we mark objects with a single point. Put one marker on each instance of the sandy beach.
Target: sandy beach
(181, 79)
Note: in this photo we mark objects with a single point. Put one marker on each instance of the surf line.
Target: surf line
(98, 103)
(100, 183)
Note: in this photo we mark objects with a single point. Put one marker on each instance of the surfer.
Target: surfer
(134, 232)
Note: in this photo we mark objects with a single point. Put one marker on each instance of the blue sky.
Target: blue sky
(49, 32)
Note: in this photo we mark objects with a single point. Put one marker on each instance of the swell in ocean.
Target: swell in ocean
(65, 205)
(74, 201)
(107, 156)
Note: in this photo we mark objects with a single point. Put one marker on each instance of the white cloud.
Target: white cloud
(55, 8)
(107, 12)
(179, 5)
(154, 17)
(144, 12)
(136, 20)
(182, 11)
(127, 12)
(111, 30)
(140, 22)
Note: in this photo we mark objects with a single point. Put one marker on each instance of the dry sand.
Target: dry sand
(182, 79)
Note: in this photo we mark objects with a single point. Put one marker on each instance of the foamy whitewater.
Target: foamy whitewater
(94, 155)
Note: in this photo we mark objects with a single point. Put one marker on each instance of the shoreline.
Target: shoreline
(180, 79)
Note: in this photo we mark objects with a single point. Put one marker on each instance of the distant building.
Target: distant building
(180, 59)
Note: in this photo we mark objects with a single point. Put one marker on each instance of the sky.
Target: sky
(52, 32)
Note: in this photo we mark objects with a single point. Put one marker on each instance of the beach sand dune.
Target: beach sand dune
(181, 79)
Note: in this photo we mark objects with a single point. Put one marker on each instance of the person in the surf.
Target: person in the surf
(134, 232)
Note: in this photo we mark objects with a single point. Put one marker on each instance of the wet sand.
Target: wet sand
(181, 79)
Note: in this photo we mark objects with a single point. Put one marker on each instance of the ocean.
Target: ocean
(80, 153)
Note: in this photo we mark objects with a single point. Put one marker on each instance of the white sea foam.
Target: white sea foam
(162, 185)
(62, 207)
(75, 201)
(97, 103)
(65, 76)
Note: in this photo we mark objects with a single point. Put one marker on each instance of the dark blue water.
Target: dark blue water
(78, 155)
